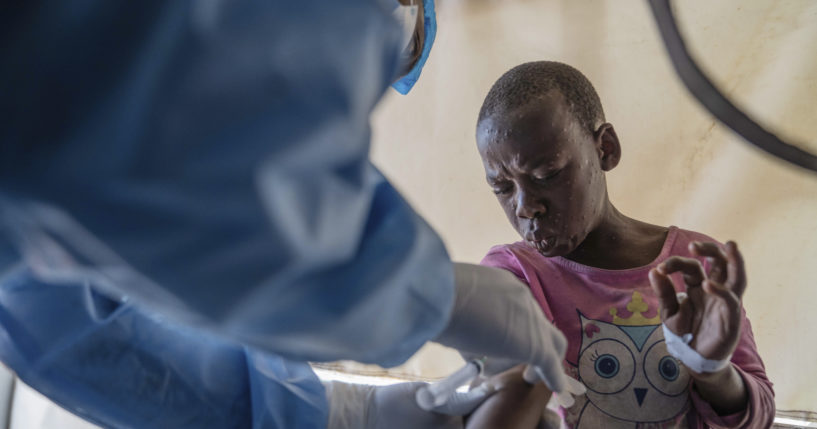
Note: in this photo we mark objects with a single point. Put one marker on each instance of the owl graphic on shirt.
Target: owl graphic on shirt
(631, 379)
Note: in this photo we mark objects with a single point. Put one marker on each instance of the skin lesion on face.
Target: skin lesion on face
(547, 173)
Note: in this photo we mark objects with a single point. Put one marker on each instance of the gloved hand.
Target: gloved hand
(495, 315)
(359, 406)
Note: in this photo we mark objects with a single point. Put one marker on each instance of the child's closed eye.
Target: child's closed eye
(548, 176)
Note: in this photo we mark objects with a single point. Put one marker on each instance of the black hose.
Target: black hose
(705, 91)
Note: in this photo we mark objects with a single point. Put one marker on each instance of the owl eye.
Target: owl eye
(664, 372)
(607, 366)
(668, 368)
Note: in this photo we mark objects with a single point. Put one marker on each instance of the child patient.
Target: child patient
(606, 280)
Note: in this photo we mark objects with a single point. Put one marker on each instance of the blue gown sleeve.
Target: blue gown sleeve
(208, 161)
(120, 367)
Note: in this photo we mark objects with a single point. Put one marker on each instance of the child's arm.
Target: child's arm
(516, 404)
(713, 314)
(760, 409)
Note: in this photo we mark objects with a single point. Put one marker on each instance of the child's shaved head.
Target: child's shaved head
(526, 82)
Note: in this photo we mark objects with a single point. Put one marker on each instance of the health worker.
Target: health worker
(188, 215)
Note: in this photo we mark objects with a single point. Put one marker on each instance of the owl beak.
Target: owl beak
(639, 395)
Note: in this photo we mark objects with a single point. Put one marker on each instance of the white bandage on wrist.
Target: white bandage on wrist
(680, 349)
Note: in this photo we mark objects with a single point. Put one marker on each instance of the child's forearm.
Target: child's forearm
(517, 406)
(724, 390)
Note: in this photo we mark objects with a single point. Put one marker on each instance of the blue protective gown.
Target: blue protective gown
(188, 212)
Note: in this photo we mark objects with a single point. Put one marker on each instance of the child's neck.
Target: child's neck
(620, 242)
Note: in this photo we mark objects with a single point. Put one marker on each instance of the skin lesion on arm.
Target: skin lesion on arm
(515, 405)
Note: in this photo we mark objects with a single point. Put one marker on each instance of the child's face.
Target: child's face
(546, 173)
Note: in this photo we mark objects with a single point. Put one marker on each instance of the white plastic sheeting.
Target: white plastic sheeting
(6, 395)
(21, 407)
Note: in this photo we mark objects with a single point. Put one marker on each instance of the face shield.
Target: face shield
(406, 17)
(415, 49)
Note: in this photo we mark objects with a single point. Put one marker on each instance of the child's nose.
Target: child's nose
(528, 206)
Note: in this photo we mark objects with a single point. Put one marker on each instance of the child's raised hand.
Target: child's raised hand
(712, 310)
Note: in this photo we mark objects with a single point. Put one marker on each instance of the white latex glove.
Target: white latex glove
(360, 406)
(495, 315)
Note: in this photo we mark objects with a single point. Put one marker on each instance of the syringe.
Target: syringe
(437, 394)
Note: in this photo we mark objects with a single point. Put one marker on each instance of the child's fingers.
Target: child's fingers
(732, 317)
(693, 273)
(691, 268)
(737, 272)
(717, 289)
(715, 256)
(665, 290)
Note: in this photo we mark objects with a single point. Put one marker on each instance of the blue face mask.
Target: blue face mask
(406, 82)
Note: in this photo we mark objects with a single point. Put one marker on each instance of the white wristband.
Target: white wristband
(679, 347)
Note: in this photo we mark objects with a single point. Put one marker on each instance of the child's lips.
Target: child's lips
(543, 245)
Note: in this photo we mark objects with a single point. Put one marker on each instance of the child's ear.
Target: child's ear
(607, 146)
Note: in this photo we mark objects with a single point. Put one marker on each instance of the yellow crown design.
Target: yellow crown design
(636, 306)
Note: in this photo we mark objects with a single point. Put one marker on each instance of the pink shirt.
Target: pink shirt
(616, 346)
